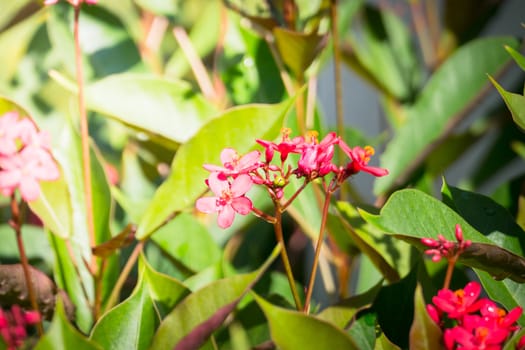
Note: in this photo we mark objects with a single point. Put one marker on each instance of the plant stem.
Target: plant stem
(113, 298)
(318, 246)
(337, 76)
(84, 135)
(16, 224)
(284, 256)
(450, 269)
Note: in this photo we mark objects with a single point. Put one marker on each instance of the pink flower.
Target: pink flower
(442, 248)
(360, 158)
(13, 325)
(235, 164)
(316, 158)
(460, 302)
(229, 198)
(24, 170)
(285, 147)
(9, 131)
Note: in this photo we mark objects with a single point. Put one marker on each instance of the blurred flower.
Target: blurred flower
(229, 198)
(14, 323)
(29, 162)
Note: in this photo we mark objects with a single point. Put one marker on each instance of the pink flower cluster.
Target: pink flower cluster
(477, 324)
(13, 325)
(25, 157)
(231, 181)
(442, 248)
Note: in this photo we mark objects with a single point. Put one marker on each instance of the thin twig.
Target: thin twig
(422, 31)
(16, 224)
(113, 298)
(284, 256)
(84, 134)
(318, 247)
(196, 64)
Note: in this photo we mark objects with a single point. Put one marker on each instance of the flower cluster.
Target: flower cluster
(14, 324)
(25, 157)
(476, 323)
(231, 181)
(442, 248)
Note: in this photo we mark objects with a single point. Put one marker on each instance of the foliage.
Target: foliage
(133, 133)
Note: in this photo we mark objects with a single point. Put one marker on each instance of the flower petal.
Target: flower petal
(226, 216)
(242, 205)
(228, 155)
(241, 185)
(218, 185)
(207, 204)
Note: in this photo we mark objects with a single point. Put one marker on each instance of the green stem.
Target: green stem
(318, 246)
(284, 256)
(113, 298)
(86, 157)
(16, 224)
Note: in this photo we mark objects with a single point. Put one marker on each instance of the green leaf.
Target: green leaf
(449, 91)
(518, 57)
(394, 306)
(237, 128)
(188, 241)
(53, 207)
(486, 216)
(165, 291)
(131, 324)
(61, 335)
(515, 103)
(166, 109)
(424, 333)
(384, 53)
(363, 330)
(198, 315)
(292, 330)
(390, 257)
(298, 50)
(428, 217)
(342, 313)
(15, 41)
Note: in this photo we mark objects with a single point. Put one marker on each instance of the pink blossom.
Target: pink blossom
(9, 132)
(458, 303)
(285, 147)
(14, 324)
(443, 248)
(24, 170)
(229, 198)
(234, 163)
(316, 158)
(360, 158)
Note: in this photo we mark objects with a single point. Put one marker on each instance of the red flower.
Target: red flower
(360, 158)
(13, 325)
(442, 248)
(285, 147)
(316, 157)
(460, 302)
